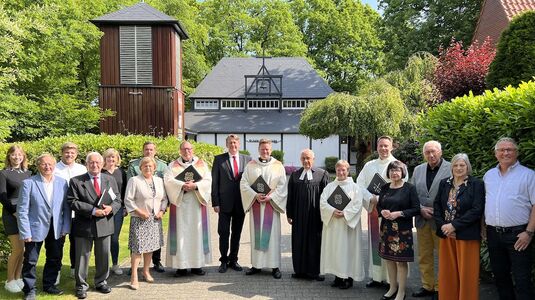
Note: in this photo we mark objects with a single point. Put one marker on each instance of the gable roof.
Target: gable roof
(495, 16)
(515, 7)
(141, 14)
(253, 121)
(226, 80)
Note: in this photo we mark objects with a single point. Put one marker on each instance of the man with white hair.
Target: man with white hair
(426, 178)
(93, 222)
(510, 219)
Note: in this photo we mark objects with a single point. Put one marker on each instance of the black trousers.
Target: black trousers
(227, 222)
(54, 249)
(504, 260)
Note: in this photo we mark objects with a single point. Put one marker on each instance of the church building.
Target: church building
(261, 97)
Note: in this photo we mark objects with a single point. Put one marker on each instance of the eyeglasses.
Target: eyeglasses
(503, 150)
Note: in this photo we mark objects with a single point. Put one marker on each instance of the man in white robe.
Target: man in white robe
(265, 209)
(377, 269)
(341, 246)
(188, 243)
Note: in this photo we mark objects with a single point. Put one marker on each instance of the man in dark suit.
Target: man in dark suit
(93, 222)
(43, 217)
(227, 170)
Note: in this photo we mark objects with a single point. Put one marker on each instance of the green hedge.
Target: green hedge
(473, 124)
(330, 163)
(130, 147)
(278, 154)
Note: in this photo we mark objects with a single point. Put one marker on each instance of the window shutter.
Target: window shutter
(135, 44)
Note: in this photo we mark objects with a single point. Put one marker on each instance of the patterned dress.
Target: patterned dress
(396, 242)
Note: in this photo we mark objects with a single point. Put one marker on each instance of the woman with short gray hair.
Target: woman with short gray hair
(458, 209)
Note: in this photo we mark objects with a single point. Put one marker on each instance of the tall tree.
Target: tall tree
(248, 27)
(515, 56)
(342, 40)
(411, 26)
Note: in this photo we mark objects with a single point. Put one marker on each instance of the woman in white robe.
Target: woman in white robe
(341, 245)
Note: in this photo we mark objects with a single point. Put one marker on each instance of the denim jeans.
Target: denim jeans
(118, 224)
(504, 260)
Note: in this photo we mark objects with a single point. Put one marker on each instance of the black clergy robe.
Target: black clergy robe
(304, 209)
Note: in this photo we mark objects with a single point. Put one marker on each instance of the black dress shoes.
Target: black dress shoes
(54, 291)
(158, 267)
(181, 272)
(337, 282)
(385, 297)
(346, 283)
(198, 271)
(235, 266)
(104, 289)
(276, 273)
(374, 284)
(223, 267)
(81, 294)
(423, 293)
(253, 271)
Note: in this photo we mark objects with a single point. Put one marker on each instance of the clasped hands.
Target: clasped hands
(189, 186)
(448, 230)
(390, 215)
(338, 213)
(104, 211)
(143, 214)
(261, 198)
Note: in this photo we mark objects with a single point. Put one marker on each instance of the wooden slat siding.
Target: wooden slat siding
(151, 111)
(162, 54)
(109, 55)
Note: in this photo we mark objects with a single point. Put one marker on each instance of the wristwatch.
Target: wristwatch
(402, 214)
(530, 233)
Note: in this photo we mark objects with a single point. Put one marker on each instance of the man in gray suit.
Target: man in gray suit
(43, 217)
(426, 178)
(226, 200)
(94, 198)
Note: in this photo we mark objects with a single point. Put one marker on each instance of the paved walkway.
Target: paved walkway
(235, 285)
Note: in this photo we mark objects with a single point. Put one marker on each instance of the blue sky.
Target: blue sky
(372, 3)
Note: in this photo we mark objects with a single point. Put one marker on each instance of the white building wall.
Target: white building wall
(326, 147)
(293, 145)
(208, 138)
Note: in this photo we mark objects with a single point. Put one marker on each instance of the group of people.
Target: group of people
(452, 211)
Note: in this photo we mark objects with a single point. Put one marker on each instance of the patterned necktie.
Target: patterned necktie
(235, 165)
(95, 184)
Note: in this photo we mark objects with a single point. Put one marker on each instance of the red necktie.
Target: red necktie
(235, 165)
(95, 184)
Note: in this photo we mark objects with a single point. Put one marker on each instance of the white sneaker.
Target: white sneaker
(20, 283)
(12, 287)
(116, 270)
(58, 279)
(72, 273)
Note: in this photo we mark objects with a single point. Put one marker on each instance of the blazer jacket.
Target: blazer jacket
(426, 197)
(83, 198)
(226, 187)
(35, 212)
(139, 195)
(471, 201)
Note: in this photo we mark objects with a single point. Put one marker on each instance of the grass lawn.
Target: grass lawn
(67, 283)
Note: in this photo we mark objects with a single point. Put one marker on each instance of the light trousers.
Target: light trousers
(427, 244)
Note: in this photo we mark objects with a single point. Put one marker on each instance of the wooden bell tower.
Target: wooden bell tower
(141, 71)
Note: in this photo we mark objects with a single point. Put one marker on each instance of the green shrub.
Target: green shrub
(278, 154)
(245, 152)
(129, 147)
(515, 55)
(473, 124)
(330, 163)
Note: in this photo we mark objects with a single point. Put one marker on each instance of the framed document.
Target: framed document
(338, 199)
(260, 186)
(376, 184)
(106, 198)
(189, 174)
